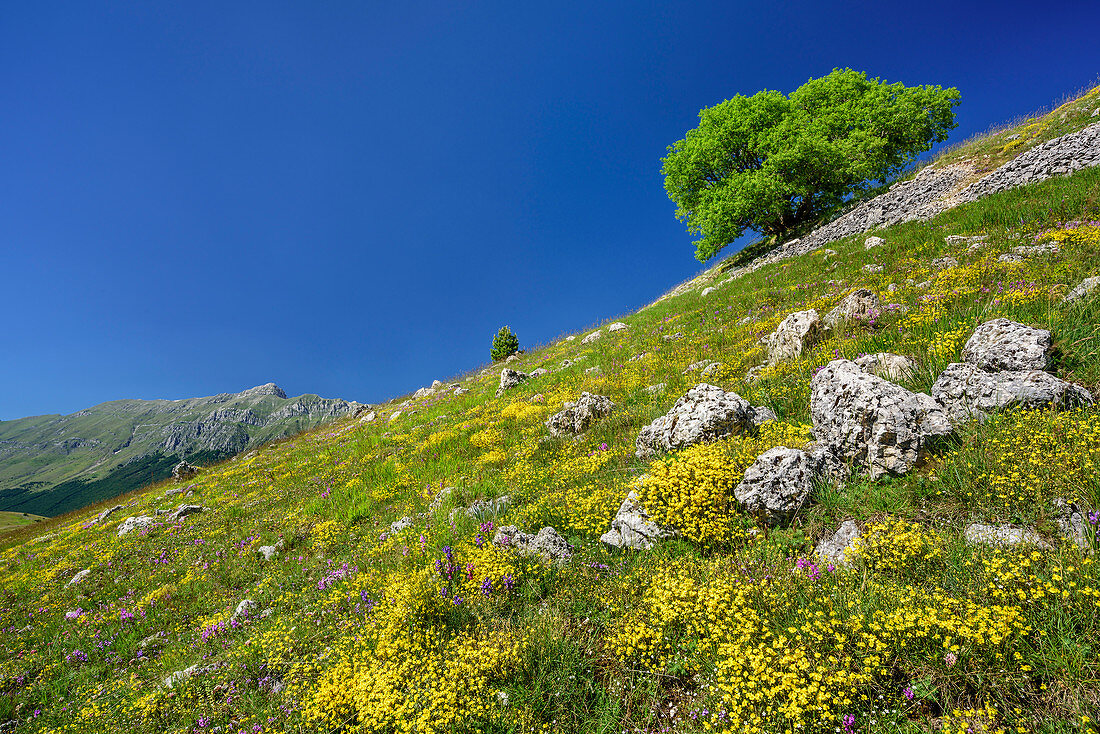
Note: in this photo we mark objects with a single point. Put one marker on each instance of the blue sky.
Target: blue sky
(350, 198)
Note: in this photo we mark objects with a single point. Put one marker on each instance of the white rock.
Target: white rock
(577, 417)
(776, 485)
(1002, 536)
(966, 391)
(837, 548)
(705, 413)
(633, 528)
(594, 336)
(132, 523)
(617, 326)
(873, 242)
(870, 422)
(1001, 344)
(861, 304)
(889, 366)
(1084, 290)
(78, 578)
(794, 335)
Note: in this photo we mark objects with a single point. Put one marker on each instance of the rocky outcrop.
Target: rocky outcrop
(794, 335)
(183, 511)
(133, 523)
(837, 548)
(80, 576)
(861, 304)
(871, 423)
(510, 378)
(577, 417)
(968, 392)
(776, 485)
(704, 413)
(1002, 536)
(1057, 157)
(594, 336)
(1071, 523)
(184, 471)
(1001, 344)
(547, 544)
(1083, 291)
(633, 528)
(481, 509)
(887, 365)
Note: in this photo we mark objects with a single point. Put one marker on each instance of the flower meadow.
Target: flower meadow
(357, 624)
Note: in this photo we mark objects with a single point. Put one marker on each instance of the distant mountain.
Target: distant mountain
(51, 464)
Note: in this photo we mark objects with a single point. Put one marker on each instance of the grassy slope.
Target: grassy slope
(15, 520)
(924, 634)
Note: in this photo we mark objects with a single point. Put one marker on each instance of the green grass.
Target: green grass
(14, 520)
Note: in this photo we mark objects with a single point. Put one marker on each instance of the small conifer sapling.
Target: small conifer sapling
(505, 344)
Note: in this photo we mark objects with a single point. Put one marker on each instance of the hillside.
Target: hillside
(53, 464)
(827, 491)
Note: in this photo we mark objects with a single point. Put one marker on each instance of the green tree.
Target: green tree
(505, 344)
(771, 163)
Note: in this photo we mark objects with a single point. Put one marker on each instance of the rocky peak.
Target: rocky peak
(268, 389)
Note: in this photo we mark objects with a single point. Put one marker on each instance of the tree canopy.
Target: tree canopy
(770, 162)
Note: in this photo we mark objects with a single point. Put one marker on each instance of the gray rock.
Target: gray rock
(696, 366)
(873, 242)
(423, 392)
(637, 357)
(184, 510)
(511, 358)
(872, 423)
(711, 369)
(183, 471)
(762, 415)
(617, 326)
(182, 675)
(594, 336)
(547, 543)
(967, 391)
(708, 291)
(597, 370)
(1071, 523)
(577, 417)
(270, 551)
(633, 528)
(777, 485)
(1084, 290)
(372, 415)
(460, 391)
(540, 372)
(398, 525)
(958, 239)
(104, 515)
(860, 304)
(671, 337)
(440, 498)
(889, 366)
(943, 263)
(78, 578)
(1002, 536)
(481, 509)
(1045, 248)
(1001, 344)
(705, 413)
(132, 523)
(510, 378)
(753, 373)
(655, 389)
(244, 609)
(795, 334)
(1010, 257)
(836, 548)
(872, 268)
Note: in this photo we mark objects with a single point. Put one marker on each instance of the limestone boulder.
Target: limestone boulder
(889, 366)
(861, 304)
(705, 413)
(183, 471)
(1001, 344)
(577, 417)
(547, 543)
(1084, 290)
(1002, 536)
(633, 528)
(871, 423)
(794, 335)
(837, 548)
(510, 378)
(134, 523)
(967, 391)
(777, 485)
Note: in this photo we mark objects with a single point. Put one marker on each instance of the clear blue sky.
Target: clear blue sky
(350, 198)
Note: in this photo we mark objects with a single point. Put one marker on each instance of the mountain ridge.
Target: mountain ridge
(39, 454)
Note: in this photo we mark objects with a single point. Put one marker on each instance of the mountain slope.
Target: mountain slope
(53, 464)
(365, 577)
